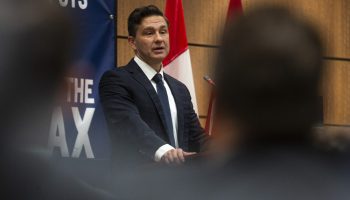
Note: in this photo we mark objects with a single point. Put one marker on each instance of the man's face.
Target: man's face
(151, 42)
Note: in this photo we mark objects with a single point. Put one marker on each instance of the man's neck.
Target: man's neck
(155, 66)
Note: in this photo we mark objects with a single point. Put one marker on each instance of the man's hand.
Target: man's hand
(175, 156)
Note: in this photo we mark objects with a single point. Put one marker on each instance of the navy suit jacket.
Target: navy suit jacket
(135, 117)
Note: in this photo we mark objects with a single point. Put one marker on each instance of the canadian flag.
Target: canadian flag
(178, 61)
(234, 8)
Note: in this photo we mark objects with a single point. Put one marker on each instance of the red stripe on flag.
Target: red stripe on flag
(234, 8)
(208, 122)
(177, 31)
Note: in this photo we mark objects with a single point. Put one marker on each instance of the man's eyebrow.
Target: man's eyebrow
(153, 28)
(148, 28)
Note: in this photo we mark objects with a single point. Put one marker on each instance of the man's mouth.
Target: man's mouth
(158, 49)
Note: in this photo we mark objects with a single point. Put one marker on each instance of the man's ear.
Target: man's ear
(132, 42)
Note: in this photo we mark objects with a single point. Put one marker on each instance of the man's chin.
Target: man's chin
(159, 57)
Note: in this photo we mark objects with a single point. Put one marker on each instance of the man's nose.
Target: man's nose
(159, 37)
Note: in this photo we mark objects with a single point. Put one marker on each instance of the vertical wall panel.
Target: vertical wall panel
(202, 121)
(204, 20)
(203, 61)
(337, 93)
(125, 52)
(331, 17)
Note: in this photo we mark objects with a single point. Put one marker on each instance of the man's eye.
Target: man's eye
(163, 32)
(148, 33)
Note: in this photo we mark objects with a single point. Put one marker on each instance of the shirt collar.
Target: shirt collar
(147, 69)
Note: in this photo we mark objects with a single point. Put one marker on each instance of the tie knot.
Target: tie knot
(157, 78)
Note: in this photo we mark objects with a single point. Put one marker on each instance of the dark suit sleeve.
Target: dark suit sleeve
(198, 139)
(125, 123)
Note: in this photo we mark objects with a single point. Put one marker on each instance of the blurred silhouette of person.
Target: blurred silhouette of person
(34, 45)
(268, 81)
(267, 85)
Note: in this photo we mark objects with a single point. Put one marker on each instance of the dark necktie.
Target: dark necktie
(164, 101)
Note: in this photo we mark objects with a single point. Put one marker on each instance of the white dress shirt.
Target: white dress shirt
(150, 73)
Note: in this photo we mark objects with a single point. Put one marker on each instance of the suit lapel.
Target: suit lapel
(179, 106)
(140, 77)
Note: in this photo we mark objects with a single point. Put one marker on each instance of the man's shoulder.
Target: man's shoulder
(115, 76)
(174, 81)
(115, 72)
(120, 70)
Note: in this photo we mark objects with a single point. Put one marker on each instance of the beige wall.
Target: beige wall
(204, 21)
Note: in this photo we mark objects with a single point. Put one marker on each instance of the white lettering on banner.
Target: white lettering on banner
(88, 90)
(83, 4)
(83, 128)
(63, 3)
(80, 92)
(57, 134)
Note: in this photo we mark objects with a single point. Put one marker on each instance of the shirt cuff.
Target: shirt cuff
(161, 151)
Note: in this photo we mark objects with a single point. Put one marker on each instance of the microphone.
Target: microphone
(209, 80)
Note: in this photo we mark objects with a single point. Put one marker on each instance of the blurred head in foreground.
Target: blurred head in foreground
(34, 38)
(268, 76)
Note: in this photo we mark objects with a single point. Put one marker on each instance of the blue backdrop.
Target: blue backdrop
(78, 135)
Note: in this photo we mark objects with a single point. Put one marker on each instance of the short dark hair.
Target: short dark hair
(136, 16)
(268, 71)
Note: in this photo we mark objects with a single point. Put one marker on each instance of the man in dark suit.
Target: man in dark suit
(149, 113)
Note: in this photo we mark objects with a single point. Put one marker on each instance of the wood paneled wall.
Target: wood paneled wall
(204, 21)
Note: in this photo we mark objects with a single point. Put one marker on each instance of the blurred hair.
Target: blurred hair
(268, 72)
(137, 15)
(35, 37)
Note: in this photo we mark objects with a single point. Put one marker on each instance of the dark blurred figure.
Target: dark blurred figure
(34, 43)
(267, 82)
(268, 77)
